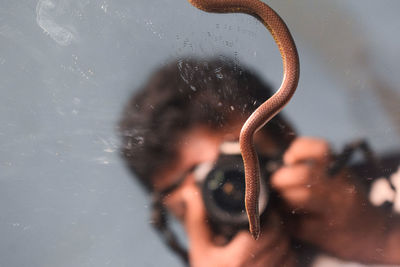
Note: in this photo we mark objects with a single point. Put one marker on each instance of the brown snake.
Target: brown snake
(270, 107)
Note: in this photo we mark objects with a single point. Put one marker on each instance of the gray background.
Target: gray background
(68, 67)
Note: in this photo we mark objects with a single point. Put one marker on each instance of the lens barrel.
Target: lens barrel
(223, 192)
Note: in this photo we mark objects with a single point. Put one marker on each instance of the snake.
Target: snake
(273, 105)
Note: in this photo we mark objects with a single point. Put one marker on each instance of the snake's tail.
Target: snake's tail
(254, 225)
(252, 181)
(253, 215)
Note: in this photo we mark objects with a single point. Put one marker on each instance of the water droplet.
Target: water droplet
(139, 140)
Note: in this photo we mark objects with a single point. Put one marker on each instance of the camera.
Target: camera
(222, 186)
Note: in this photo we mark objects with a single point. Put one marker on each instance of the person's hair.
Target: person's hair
(186, 93)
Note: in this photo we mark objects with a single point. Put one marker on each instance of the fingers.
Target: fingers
(292, 176)
(278, 255)
(195, 220)
(242, 240)
(303, 149)
(294, 183)
(268, 250)
(303, 175)
(269, 235)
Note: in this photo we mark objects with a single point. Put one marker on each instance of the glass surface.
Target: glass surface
(67, 67)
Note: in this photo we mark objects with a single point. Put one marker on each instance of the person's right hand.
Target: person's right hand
(332, 213)
(271, 249)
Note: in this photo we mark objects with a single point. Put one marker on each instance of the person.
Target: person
(180, 119)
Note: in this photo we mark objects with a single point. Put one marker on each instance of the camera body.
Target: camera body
(222, 186)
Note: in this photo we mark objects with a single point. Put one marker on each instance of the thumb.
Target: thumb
(195, 219)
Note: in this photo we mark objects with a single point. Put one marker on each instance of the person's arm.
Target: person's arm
(271, 249)
(334, 213)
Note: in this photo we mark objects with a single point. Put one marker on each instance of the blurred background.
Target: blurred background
(67, 67)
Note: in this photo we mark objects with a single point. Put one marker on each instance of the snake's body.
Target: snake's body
(270, 107)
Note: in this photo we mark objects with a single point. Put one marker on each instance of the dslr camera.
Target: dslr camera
(222, 186)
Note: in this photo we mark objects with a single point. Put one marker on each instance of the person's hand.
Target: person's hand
(329, 212)
(271, 249)
(303, 181)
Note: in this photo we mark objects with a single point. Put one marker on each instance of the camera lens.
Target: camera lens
(223, 190)
(227, 187)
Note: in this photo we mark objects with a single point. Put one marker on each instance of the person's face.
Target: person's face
(198, 145)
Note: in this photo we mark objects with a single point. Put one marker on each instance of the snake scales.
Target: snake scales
(270, 107)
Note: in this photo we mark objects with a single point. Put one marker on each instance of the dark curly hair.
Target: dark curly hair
(186, 93)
